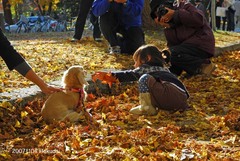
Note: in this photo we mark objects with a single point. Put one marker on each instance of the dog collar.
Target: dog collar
(77, 90)
(81, 96)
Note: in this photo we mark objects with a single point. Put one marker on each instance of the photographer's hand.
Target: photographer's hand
(162, 22)
(120, 1)
(168, 16)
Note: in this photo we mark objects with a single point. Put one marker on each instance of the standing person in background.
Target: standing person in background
(15, 61)
(237, 14)
(189, 36)
(228, 4)
(218, 18)
(159, 89)
(199, 5)
(224, 19)
(84, 8)
(121, 24)
(96, 27)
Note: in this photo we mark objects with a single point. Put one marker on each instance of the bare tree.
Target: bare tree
(213, 14)
(147, 20)
(7, 12)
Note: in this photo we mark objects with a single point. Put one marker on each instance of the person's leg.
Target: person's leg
(156, 95)
(96, 27)
(145, 107)
(228, 15)
(108, 25)
(224, 23)
(232, 21)
(133, 38)
(167, 96)
(84, 8)
(238, 22)
(218, 22)
(187, 58)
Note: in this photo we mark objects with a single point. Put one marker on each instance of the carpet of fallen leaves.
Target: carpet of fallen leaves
(209, 130)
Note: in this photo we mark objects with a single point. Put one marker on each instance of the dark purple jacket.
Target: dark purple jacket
(190, 27)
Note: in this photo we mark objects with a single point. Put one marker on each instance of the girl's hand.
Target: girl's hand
(104, 77)
(98, 76)
(120, 1)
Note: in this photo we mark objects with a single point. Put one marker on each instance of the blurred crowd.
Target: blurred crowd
(227, 13)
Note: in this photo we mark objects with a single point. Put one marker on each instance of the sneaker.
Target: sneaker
(98, 39)
(207, 68)
(74, 40)
(115, 50)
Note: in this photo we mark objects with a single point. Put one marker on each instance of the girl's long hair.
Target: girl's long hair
(142, 54)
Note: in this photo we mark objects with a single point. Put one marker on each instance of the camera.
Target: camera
(161, 11)
(158, 8)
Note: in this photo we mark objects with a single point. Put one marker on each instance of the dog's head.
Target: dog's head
(74, 77)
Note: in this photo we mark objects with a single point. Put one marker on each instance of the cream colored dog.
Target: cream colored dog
(62, 105)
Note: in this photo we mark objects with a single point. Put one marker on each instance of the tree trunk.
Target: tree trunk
(148, 22)
(213, 14)
(7, 12)
(18, 11)
(40, 9)
(2, 21)
(49, 8)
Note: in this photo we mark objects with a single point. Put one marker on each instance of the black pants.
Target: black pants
(84, 8)
(218, 22)
(224, 23)
(187, 58)
(230, 20)
(129, 41)
(96, 27)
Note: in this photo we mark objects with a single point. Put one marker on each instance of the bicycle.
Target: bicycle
(61, 26)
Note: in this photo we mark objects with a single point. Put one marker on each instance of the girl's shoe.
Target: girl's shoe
(145, 107)
(114, 50)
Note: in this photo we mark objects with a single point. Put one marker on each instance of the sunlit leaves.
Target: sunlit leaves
(209, 130)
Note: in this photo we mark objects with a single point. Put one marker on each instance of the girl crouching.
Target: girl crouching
(158, 87)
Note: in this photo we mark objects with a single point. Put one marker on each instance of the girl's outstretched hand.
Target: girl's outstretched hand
(104, 77)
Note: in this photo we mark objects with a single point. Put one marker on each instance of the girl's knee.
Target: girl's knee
(143, 83)
(144, 78)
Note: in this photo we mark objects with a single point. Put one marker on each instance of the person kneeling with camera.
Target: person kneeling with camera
(189, 36)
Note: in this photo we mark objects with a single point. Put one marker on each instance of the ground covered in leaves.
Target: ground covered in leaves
(209, 130)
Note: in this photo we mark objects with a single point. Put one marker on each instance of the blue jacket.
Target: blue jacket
(130, 13)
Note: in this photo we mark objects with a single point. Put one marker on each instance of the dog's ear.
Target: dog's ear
(63, 82)
(81, 77)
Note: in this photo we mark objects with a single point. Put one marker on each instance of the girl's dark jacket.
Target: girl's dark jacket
(158, 72)
(190, 26)
(11, 57)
